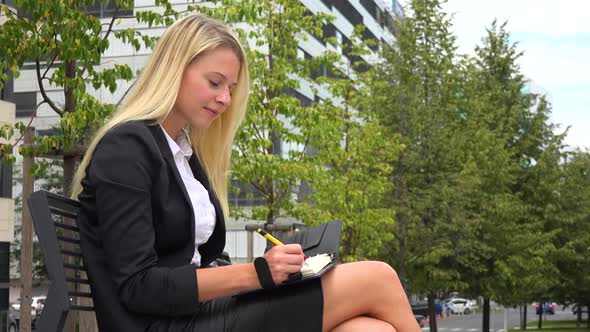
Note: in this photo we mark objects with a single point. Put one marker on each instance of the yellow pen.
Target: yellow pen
(269, 237)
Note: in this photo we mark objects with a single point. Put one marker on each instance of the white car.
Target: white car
(461, 306)
(37, 303)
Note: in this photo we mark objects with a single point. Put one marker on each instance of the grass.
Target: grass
(557, 326)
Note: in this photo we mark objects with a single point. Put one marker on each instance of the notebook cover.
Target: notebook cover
(322, 239)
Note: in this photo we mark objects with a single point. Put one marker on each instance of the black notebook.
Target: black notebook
(321, 245)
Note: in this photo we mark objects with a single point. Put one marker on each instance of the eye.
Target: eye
(214, 84)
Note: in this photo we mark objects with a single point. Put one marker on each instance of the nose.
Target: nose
(224, 97)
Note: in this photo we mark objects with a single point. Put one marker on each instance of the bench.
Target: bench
(55, 221)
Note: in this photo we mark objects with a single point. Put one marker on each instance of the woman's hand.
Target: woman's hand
(284, 260)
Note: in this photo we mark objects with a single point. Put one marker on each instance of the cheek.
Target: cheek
(199, 92)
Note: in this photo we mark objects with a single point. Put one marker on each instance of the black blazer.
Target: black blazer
(137, 230)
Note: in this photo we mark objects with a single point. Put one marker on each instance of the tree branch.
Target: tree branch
(49, 66)
(105, 36)
(42, 89)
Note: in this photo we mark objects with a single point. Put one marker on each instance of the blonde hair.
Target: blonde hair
(183, 42)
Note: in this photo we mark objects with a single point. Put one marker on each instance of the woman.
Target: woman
(153, 194)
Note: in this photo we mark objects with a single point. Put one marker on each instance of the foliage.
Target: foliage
(65, 46)
(414, 96)
(518, 172)
(272, 148)
(573, 237)
(356, 156)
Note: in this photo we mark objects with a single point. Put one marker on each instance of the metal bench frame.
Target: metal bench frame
(54, 217)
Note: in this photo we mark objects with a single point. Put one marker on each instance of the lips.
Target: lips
(212, 112)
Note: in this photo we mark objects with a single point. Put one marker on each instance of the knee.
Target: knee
(383, 271)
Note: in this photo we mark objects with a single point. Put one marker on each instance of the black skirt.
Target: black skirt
(292, 308)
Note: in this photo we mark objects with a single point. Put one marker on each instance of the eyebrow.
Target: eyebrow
(225, 78)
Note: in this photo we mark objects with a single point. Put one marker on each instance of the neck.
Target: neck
(172, 127)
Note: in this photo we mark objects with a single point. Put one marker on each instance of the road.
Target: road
(473, 322)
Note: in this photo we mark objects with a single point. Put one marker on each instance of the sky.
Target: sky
(555, 38)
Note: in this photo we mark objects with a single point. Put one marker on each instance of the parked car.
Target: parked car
(575, 309)
(445, 306)
(420, 308)
(547, 308)
(421, 320)
(37, 304)
(461, 305)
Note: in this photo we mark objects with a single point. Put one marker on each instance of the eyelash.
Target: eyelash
(217, 85)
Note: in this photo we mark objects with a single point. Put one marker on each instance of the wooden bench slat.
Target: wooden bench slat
(78, 280)
(68, 239)
(81, 307)
(80, 294)
(66, 226)
(71, 253)
(75, 267)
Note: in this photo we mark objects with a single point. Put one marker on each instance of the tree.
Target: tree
(354, 159)
(514, 156)
(65, 42)
(573, 237)
(52, 181)
(414, 95)
(272, 148)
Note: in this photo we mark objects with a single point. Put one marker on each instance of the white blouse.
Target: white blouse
(202, 207)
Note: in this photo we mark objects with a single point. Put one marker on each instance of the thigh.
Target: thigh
(292, 308)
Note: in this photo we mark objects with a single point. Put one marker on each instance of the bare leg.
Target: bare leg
(363, 324)
(368, 289)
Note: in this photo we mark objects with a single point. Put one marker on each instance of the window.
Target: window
(339, 40)
(391, 24)
(303, 100)
(328, 3)
(248, 195)
(100, 9)
(368, 35)
(370, 7)
(25, 102)
(347, 10)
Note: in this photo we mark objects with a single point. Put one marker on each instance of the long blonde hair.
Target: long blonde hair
(184, 41)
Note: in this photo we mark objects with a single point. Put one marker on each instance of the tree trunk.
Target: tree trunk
(578, 315)
(26, 253)
(540, 324)
(486, 315)
(431, 313)
(524, 316)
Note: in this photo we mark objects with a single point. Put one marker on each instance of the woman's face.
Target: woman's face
(205, 90)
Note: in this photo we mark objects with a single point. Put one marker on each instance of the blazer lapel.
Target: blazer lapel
(214, 246)
(158, 133)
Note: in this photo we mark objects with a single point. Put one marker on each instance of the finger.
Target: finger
(278, 257)
(293, 248)
(294, 259)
